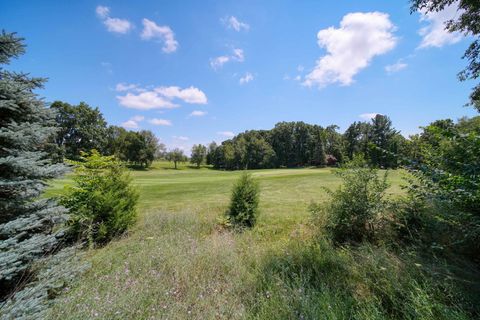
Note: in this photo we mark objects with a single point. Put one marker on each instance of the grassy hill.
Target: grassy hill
(179, 263)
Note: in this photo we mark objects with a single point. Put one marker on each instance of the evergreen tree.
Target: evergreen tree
(27, 224)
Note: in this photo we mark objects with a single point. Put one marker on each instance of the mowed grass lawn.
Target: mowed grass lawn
(178, 262)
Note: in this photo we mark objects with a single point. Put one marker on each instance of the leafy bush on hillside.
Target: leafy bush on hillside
(243, 211)
(102, 200)
(354, 212)
(446, 168)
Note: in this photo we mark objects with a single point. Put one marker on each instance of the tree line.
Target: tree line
(82, 128)
(298, 144)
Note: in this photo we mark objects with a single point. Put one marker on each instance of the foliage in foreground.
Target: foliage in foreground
(29, 226)
(102, 200)
(447, 172)
(54, 275)
(243, 210)
(316, 280)
(354, 212)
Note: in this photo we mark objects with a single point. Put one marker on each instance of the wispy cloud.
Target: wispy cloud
(351, 47)
(233, 23)
(125, 87)
(160, 122)
(397, 66)
(218, 62)
(246, 78)
(197, 113)
(161, 33)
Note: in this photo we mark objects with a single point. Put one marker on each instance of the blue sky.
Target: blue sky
(197, 71)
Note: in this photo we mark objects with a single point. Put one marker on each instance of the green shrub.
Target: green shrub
(102, 201)
(354, 212)
(243, 211)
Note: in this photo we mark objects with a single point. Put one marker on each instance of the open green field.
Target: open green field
(177, 263)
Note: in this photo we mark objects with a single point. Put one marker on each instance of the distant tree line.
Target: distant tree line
(82, 128)
(297, 144)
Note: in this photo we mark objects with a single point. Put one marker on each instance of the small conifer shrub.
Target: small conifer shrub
(102, 201)
(243, 210)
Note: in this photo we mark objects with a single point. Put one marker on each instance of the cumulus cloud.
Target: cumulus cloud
(136, 97)
(218, 62)
(351, 47)
(434, 34)
(235, 24)
(189, 95)
(160, 122)
(145, 101)
(228, 134)
(397, 66)
(197, 113)
(116, 25)
(132, 123)
(246, 78)
(368, 116)
(161, 33)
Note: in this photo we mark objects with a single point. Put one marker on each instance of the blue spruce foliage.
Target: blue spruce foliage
(29, 225)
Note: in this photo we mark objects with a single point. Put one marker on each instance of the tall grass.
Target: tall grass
(177, 263)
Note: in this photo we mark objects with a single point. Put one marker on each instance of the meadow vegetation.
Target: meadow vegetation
(264, 230)
(179, 262)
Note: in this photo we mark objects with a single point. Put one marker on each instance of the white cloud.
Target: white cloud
(145, 101)
(238, 55)
(246, 78)
(397, 66)
(235, 24)
(160, 122)
(300, 68)
(228, 134)
(218, 62)
(116, 25)
(434, 34)
(125, 87)
(189, 95)
(351, 47)
(197, 113)
(163, 33)
(132, 123)
(368, 116)
(182, 138)
(158, 98)
(102, 11)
